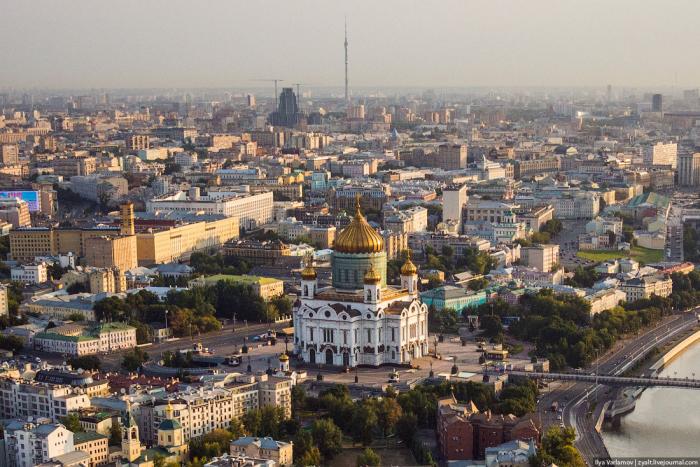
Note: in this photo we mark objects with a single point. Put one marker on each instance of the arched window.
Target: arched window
(369, 295)
(306, 290)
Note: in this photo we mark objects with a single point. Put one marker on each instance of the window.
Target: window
(369, 336)
(393, 335)
(311, 333)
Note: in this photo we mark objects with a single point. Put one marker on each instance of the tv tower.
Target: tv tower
(347, 95)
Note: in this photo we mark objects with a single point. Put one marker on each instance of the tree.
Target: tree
(368, 458)
(72, 423)
(115, 434)
(305, 453)
(12, 343)
(388, 412)
(558, 448)
(491, 325)
(76, 316)
(328, 437)
(364, 420)
(406, 427)
(133, 360)
(86, 362)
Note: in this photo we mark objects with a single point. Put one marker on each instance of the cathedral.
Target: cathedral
(360, 320)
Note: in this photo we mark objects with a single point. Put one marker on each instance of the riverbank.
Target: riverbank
(663, 422)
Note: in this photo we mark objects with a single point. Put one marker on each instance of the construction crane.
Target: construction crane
(299, 93)
(272, 80)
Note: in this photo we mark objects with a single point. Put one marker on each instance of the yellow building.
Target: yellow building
(95, 444)
(172, 244)
(111, 251)
(107, 280)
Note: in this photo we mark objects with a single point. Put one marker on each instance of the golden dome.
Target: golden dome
(408, 268)
(308, 273)
(372, 276)
(359, 236)
(284, 357)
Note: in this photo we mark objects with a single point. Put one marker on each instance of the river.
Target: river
(665, 422)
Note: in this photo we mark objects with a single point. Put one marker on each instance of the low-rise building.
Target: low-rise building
(263, 448)
(102, 338)
(22, 399)
(265, 287)
(30, 273)
(645, 287)
(456, 298)
(541, 257)
(605, 299)
(95, 444)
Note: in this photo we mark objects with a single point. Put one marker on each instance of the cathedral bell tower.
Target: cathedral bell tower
(409, 276)
(372, 288)
(308, 279)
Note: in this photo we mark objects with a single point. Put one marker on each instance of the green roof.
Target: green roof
(61, 337)
(247, 280)
(649, 198)
(85, 436)
(169, 424)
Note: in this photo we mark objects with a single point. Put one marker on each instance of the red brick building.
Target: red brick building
(464, 432)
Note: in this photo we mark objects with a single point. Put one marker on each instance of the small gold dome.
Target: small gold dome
(372, 276)
(359, 236)
(284, 357)
(308, 273)
(408, 268)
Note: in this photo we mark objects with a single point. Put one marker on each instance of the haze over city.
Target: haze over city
(453, 43)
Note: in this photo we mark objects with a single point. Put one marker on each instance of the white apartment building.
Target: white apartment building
(22, 399)
(603, 225)
(185, 159)
(409, 220)
(252, 210)
(28, 444)
(645, 287)
(202, 409)
(30, 273)
(453, 200)
(487, 210)
(540, 257)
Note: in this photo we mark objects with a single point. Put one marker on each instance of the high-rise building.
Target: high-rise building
(661, 153)
(287, 113)
(657, 103)
(453, 200)
(689, 169)
(451, 156)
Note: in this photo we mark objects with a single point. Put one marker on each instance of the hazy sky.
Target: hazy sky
(227, 43)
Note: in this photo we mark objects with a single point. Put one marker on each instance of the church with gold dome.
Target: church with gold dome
(359, 319)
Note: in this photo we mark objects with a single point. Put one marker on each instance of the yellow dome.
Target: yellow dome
(372, 276)
(408, 268)
(308, 273)
(359, 236)
(284, 357)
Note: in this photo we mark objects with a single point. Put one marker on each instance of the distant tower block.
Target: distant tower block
(127, 210)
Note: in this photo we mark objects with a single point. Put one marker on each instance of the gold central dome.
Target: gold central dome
(359, 236)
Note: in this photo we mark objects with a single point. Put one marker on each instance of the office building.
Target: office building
(661, 154)
(657, 103)
(540, 257)
(15, 212)
(30, 273)
(287, 113)
(644, 287)
(689, 169)
(111, 252)
(451, 156)
(252, 210)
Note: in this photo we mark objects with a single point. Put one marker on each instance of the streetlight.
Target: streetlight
(166, 324)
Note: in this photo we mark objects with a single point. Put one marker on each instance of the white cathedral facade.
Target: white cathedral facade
(359, 320)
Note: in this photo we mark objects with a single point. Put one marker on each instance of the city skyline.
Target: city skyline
(451, 45)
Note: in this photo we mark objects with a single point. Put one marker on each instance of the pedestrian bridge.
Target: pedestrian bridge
(638, 381)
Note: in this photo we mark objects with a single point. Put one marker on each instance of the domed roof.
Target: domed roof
(308, 273)
(372, 276)
(408, 268)
(359, 236)
(169, 424)
(284, 357)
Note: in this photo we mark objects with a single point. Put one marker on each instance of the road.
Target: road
(579, 399)
(223, 342)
